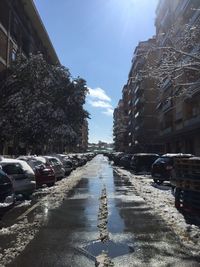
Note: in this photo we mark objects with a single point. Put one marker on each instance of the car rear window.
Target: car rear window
(165, 160)
(54, 161)
(14, 168)
(145, 159)
(35, 163)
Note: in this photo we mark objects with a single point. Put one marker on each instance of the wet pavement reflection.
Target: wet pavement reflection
(70, 235)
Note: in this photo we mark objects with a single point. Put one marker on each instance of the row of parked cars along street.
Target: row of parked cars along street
(22, 175)
(182, 171)
(161, 167)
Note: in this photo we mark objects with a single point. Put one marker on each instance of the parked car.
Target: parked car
(116, 157)
(125, 161)
(142, 162)
(44, 174)
(56, 164)
(21, 174)
(7, 197)
(67, 163)
(162, 168)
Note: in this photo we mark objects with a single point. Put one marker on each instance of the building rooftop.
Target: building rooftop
(35, 19)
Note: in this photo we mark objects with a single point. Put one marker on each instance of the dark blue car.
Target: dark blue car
(6, 192)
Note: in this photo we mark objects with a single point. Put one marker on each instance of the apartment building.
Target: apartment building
(22, 31)
(144, 97)
(135, 120)
(179, 113)
(119, 127)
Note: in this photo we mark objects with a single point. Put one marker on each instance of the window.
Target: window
(15, 28)
(13, 168)
(13, 55)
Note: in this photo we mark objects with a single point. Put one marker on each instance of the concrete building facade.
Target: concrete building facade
(22, 31)
(164, 116)
(143, 121)
(119, 127)
(135, 117)
(179, 116)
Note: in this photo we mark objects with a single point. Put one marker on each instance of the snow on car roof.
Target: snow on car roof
(176, 155)
(23, 163)
(145, 154)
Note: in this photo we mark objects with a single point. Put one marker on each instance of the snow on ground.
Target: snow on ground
(15, 238)
(161, 199)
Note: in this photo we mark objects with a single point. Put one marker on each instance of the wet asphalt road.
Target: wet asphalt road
(138, 236)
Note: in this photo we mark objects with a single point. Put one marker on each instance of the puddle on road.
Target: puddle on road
(112, 249)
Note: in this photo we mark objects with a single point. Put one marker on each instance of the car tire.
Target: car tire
(157, 181)
(51, 184)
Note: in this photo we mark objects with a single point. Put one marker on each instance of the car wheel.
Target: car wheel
(157, 181)
(51, 184)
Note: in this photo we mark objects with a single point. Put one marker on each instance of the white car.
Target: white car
(21, 174)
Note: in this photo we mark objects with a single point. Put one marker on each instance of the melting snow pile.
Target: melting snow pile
(161, 199)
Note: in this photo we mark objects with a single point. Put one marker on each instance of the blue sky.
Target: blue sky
(95, 39)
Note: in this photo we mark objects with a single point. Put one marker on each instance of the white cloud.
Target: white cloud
(100, 104)
(108, 112)
(99, 99)
(98, 93)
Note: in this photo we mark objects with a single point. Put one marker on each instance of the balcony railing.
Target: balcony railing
(137, 89)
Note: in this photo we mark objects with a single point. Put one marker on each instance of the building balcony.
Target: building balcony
(167, 105)
(192, 121)
(139, 101)
(166, 131)
(179, 126)
(137, 115)
(139, 127)
(138, 77)
(159, 105)
(166, 84)
(137, 89)
(193, 90)
(179, 116)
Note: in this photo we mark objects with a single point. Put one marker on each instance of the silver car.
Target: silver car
(21, 174)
